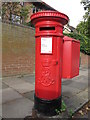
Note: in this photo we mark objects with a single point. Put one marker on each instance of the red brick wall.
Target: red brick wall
(18, 50)
(85, 60)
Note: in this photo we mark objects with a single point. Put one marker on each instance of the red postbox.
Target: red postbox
(71, 57)
(48, 60)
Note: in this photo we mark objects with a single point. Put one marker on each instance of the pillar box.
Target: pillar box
(48, 60)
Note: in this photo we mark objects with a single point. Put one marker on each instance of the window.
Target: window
(35, 10)
(15, 19)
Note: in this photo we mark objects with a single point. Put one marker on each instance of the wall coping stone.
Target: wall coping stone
(15, 24)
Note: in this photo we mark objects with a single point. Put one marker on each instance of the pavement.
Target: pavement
(18, 92)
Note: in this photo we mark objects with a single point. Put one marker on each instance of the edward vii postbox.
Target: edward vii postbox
(48, 59)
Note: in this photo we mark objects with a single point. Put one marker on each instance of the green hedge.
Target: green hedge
(84, 42)
(30, 24)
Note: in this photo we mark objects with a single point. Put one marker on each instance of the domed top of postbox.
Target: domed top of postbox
(49, 15)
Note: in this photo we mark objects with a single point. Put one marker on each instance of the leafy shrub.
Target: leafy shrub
(30, 24)
(84, 42)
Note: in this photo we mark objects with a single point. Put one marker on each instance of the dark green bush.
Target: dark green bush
(29, 24)
(84, 42)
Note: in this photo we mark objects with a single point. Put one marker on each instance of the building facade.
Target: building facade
(20, 12)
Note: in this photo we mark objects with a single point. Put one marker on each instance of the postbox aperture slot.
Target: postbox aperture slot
(46, 28)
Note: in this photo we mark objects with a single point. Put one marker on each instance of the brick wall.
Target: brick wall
(18, 50)
(85, 60)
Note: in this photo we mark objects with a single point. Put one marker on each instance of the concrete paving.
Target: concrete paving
(23, 87)
(17, 109)
(10, 94)
(4, 86)
(17, 94)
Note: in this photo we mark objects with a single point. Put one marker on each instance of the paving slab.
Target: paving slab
(0, 96)
(74, 94)
(83, 95)
(83, 67)
(23, 87)
(69, 91)
(19, 108)
(29, 95)
(73, 103)
(0, 85)
(76, 101)
(81, 78)
(4, 86)
(30, 79)
(0, 118)
(66, 81)
(0, 111)
(9, 94)
(85, 72)
(79, 85)
(12, 81)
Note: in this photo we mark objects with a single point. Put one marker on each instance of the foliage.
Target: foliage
(17, 9)
(57, 111)
(70, 113)
(30, 24)
(86, 4)
(84, 42)
(9, 8)
(24, 13)
(83, 29)
(84, 26)
(63, 108)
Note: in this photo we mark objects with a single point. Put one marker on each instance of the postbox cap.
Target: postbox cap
(54, 15)
(66, 38)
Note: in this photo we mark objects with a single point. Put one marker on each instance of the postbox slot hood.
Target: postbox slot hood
(66, 38)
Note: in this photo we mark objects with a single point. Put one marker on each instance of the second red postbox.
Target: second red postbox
(48, 60)
(71, 57)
